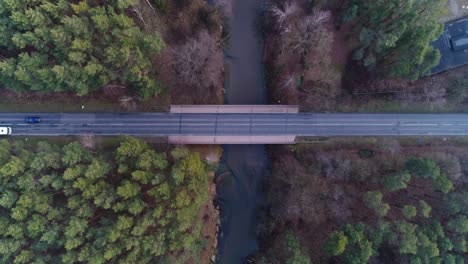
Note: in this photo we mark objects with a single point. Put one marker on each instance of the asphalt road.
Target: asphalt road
(167, 124)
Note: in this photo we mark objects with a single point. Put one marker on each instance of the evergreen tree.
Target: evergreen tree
(63, 46)
(396, 35)
(374, 200)
(80, 209)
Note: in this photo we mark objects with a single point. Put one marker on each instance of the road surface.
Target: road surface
(302, 124)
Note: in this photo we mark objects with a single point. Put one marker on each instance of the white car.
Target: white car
(5, 131)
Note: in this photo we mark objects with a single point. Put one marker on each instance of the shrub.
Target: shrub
(365, 153)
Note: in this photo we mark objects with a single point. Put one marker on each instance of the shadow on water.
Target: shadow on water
(243, 167)
(240, 195)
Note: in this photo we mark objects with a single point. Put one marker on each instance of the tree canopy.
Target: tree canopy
(419, 234)
(296, 256)
(68, 205)
(374, 200)
(406, 210)
(79, 46)
(396, 35)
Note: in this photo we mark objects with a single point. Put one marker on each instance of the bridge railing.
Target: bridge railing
(234, 109)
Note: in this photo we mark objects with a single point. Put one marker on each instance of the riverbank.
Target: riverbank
(208, 214)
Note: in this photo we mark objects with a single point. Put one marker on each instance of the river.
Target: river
(243, 167)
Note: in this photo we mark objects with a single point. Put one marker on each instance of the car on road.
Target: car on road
(32, 120)
(5, 130)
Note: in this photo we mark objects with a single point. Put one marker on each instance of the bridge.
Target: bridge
(241, 125)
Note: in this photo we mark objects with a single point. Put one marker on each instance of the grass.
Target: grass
(383, 106)
(93, 106)
(323, 143)
(84, 106)
(62, 140)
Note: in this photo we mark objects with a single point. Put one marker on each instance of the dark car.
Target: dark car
(32, 120)
(459, 42)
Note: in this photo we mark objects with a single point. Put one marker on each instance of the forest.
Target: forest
(374, 201)
(123, 54)
(395, 35)
(68, 204)
(359, 55)
(62, 46)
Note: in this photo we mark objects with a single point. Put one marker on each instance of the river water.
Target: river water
(243, 167)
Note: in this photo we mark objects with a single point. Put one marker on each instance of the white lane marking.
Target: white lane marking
(222, 124)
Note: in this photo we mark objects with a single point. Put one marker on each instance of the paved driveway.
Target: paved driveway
(451, 59)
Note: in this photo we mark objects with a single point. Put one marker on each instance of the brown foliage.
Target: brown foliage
(225, 6)
(294, 192)
(317, 189)
(88, 141)
(301, 51)
(197, 66)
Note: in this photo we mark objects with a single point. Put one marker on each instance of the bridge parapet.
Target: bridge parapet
(235, 109)
(215, 140)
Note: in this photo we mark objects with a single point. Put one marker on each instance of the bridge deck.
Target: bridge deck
(247, 128)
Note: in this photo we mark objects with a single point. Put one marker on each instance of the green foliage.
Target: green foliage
(336, 243)
(295, 253)
(365, 153)
(80, 209)
(443, 184)
(422, 241)
(60, 46)
(397, 181)
(457, 90)
(459, 224)
(425, 209)
(75, 153)
(409, 211)
(374, 200)
(461, 245)
(428, 222)
(423, 168)
(408, 240)
(351, 244)
(359, 249)
(396, 35)
(179, 153)
(162, 5)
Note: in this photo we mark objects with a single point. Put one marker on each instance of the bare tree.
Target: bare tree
(128, 102)
(190, 59)
(305, 40)
(432, 96)
(319, 17)
(212, 158)
(138, 10)
(282, 13)
(288, 82)
(225, 6)
(311, 34)
(151, 6)
(306, 33)
(388, 145)
(88, 141)
(435, 96)
(287, 91)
